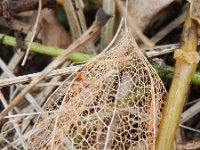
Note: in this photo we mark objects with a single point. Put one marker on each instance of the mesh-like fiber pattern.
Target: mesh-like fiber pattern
(113, 102)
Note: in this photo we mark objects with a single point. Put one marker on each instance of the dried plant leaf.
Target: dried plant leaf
(195, 10)
(152, 7)
(52, 32)
(113, 102)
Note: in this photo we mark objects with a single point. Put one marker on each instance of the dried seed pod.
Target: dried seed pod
(113, 102)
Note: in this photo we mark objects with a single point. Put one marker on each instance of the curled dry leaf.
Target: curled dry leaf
(144, 10)
(52, 32)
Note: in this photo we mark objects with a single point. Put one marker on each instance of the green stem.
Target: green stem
(47, 50)
(166, 72)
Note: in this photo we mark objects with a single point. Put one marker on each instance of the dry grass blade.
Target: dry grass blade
(189, 113)
(112, 102)
(28, 96)
(15, 125)
(33, 33)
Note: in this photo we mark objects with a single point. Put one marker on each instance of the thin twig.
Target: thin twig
(101, 19)
(189, 128)
(79, 57)
(16, 142)
(189, 113)
(133, 26)
(30, 77)
(33, 33)
(15, 125)
(28, 96)
(90, 47)
(9, 143)
(16, 58)
(30, 114)
(77, 22)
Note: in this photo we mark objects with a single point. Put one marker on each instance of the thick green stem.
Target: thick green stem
(47, 50)
(186, 63)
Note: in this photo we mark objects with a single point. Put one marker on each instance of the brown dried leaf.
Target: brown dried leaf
(195, 10)
(143, 11)
(53, 33)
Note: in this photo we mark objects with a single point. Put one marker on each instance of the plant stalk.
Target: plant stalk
(186, 63)
(47, 50)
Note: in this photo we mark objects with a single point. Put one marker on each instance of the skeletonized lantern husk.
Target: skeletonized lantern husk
(113, 102)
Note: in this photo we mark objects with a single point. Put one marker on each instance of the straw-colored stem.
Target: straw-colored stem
(77, 22)
(186, 63)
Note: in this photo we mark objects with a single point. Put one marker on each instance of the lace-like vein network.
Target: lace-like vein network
(113, 102)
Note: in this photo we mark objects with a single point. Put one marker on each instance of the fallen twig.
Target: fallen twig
(191, 112)
(30, 77)
(28, 96)
(33, 33)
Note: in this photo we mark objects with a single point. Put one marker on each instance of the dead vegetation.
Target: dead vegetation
(100, 92)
